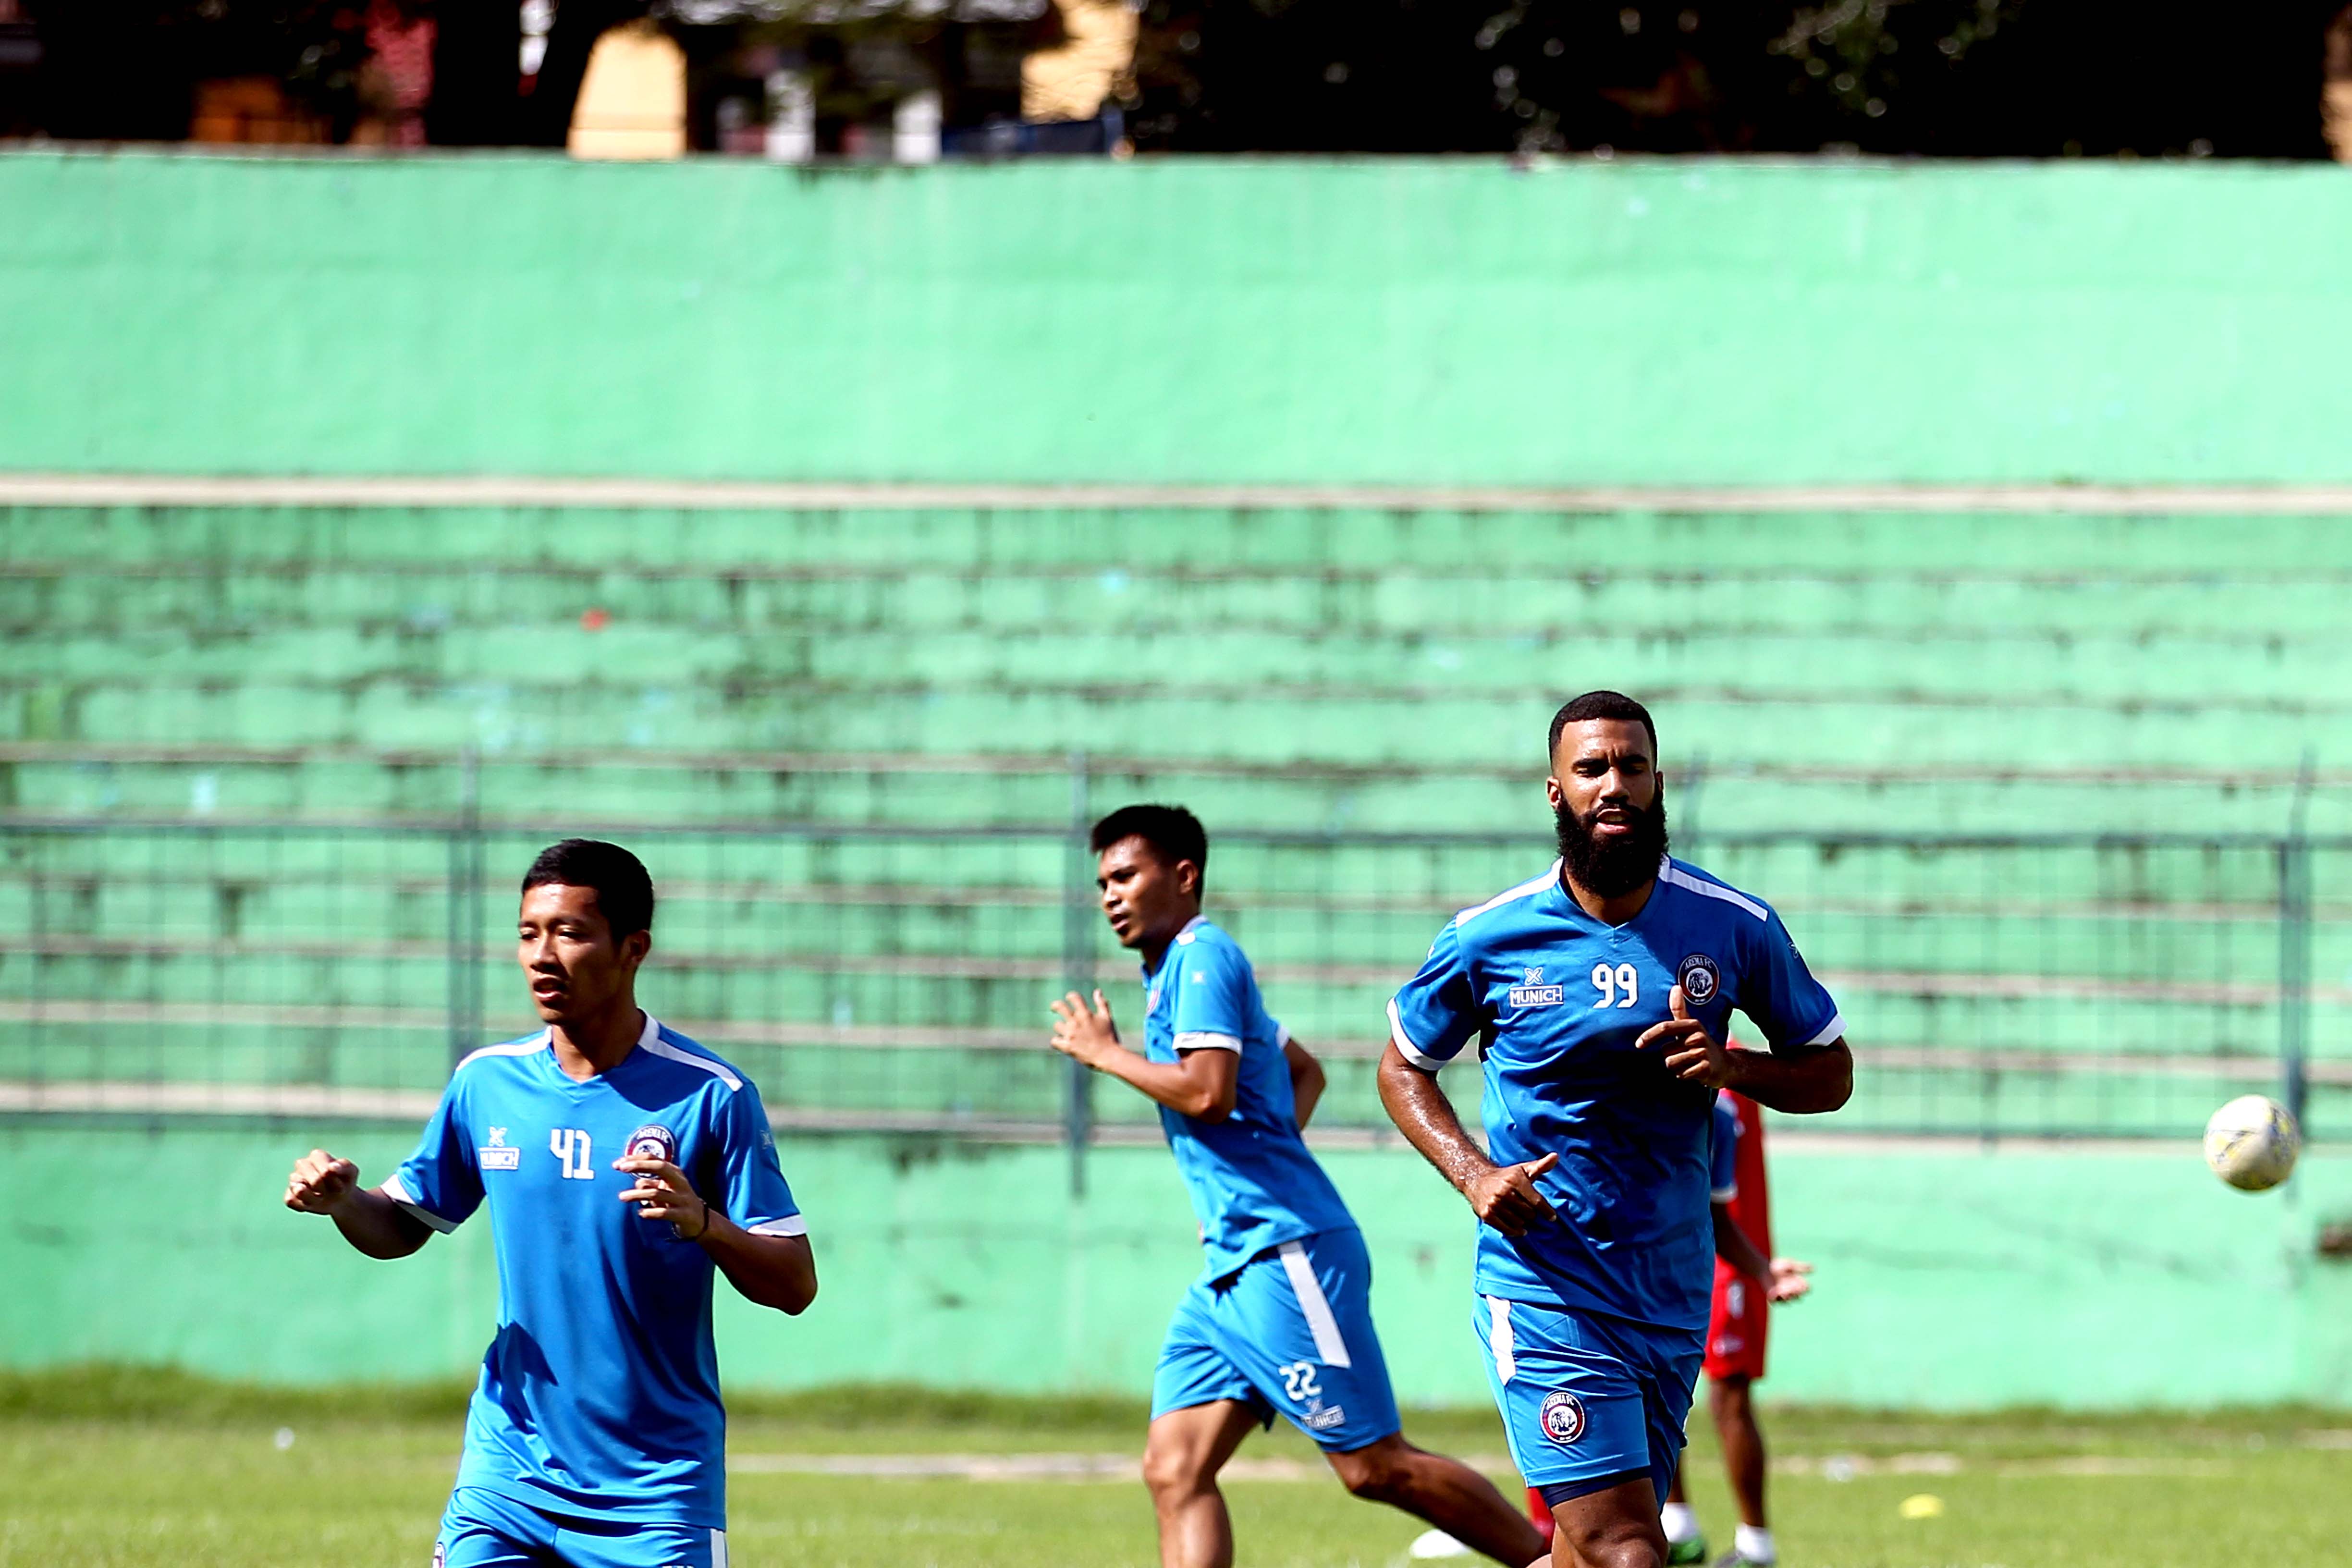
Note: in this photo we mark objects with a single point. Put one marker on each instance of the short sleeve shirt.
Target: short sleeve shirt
(1557, 998)
(599, 1397)
(1253, 1183)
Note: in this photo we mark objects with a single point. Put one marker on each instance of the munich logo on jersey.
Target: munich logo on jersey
(1699, 979)
(498, 1154)
(1562, 1416)
(1535, 993)
(651, 1143)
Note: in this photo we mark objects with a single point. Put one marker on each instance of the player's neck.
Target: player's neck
(1157, 948)
(1614, 910)
(588, 1047)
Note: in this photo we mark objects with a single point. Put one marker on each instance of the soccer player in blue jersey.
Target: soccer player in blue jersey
(595, 1437)
(1600, 992)
(1280, 1318)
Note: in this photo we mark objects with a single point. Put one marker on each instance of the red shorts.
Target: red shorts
(1736, 1325)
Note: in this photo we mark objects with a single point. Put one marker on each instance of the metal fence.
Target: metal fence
(895, 978)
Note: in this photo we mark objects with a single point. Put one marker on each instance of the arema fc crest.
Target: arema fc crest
(1699, 979)
(1562, 1416)
(650, 1142)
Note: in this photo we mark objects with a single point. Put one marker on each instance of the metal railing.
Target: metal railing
(894, 978)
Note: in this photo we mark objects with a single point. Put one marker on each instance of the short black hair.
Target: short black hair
(1599, 705)
(624, 894)
(1173, 833)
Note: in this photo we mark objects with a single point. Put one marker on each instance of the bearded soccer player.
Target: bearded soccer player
(595, 1437)
(1280, 1318)
(1600, 992)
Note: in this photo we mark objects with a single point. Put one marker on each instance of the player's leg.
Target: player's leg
(483, 1529)
(1614, 1525)
(1202, 1407)
(1731, 1400)
(1577, 1415)
(1299, 1324)
(1181, 1456)
(1446, 1492)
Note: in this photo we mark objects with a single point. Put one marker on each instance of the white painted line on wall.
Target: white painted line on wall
(21, 489)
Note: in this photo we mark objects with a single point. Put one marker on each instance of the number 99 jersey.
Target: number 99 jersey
(1557, 998)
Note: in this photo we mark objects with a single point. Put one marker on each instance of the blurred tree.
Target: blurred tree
(2018, 78)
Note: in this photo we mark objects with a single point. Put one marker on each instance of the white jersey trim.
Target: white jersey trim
(1329, 1346)
(398, 1191)
(1498, 1337)
(791, 1225)
(1185, 938)
(1672, 876)
(651, 1040)
(1723, 1194)
(1406, 1047)
(1527, 888)
(1281, 1034)
(1207, 1040)
(717, 1549)
(1827, 1032)
(531, 1047)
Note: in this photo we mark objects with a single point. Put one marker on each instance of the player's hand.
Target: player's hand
(320, 1183)
(1082, 1033)
(1692, 1055)
(1788, 1281)
(662, 1192)
(1506, 1198)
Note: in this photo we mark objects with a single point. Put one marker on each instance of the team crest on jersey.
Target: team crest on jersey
(1562, 1416)
(1699, 979)
(498, 1154)
(650, 1142)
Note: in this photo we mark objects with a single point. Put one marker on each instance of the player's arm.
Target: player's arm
(1199, 1083)
(1783, 1279)
(369, 1219)
(1799, 1079)
(1307, 1079)
(1503, 1196)
(777, 1271)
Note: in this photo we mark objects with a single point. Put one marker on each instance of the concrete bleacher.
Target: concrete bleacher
(786, 709)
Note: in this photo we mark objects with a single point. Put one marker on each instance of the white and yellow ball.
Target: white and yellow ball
(2252, 1143)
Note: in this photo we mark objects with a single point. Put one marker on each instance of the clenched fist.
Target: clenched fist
(322, 1182)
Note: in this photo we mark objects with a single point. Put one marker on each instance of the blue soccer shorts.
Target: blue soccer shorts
(484, 1529)
(1588, 1399)
(1289, 1334)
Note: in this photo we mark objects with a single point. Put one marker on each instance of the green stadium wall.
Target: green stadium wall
(1424, 322)
(1952, 1280)
(1368, 321)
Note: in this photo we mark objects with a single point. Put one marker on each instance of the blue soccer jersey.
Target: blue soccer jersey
(1254, 1184)
(599, 1397)
(1558, 997)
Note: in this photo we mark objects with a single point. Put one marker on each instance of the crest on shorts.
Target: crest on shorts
(651, 1143)
(1699, 979)
(1562, 1416)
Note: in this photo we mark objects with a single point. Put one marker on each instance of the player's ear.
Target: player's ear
(635, 945)
(1188, 878)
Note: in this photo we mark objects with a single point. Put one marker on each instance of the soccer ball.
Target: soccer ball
(2252, 1143)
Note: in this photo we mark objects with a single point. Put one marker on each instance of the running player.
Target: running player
(1749, 1282)
(596, 1438)
(1600, 992)
(1280, 1318)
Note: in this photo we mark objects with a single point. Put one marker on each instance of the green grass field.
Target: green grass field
(128, 1470)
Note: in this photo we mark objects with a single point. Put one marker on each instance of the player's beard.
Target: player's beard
(1617, 868)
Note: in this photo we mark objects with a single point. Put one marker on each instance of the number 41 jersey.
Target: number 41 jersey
(600, 1395)
(1558, 999)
